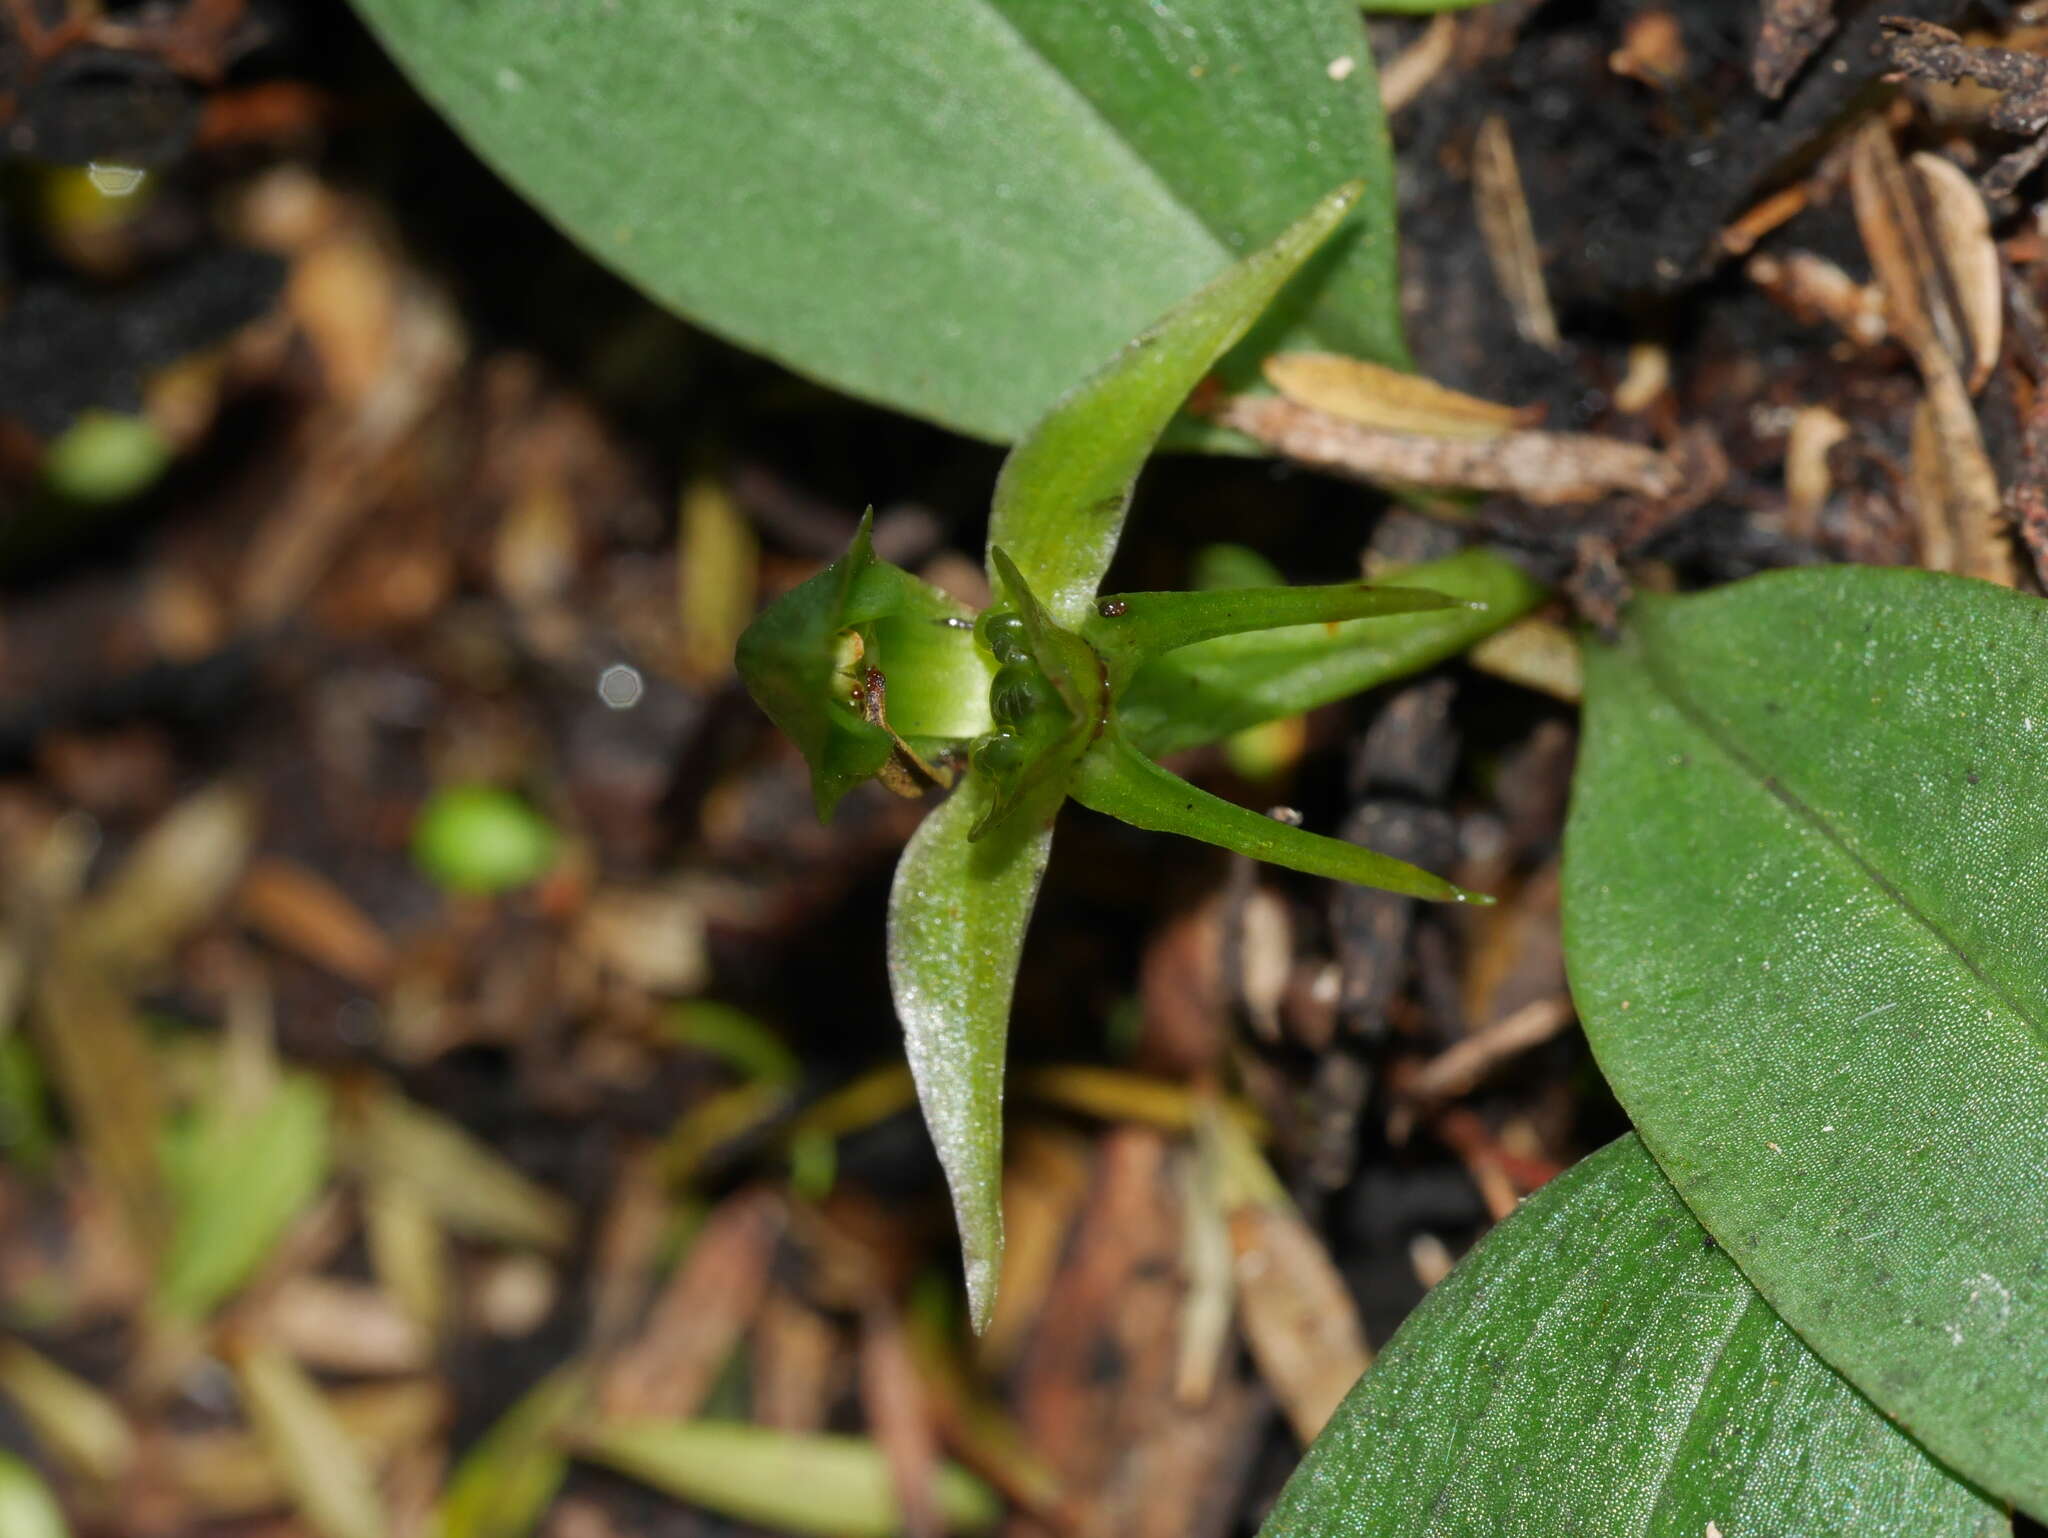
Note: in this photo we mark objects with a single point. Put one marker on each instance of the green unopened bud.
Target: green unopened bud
(872, 672)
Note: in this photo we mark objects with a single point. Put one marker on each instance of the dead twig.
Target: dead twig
(1925, 51)
(1548, 469)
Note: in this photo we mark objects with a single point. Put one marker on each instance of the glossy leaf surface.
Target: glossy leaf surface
(1597, 1365)
(1204, 692)
(1063, 492)
(1807, 924)
(954, 209)
(957, 914)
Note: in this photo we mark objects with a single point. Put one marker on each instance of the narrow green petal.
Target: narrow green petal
(1060, 501)
(1119, 781)
(1131, 629)
(957, 915)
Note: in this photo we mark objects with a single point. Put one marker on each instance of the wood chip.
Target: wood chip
(1510, 233)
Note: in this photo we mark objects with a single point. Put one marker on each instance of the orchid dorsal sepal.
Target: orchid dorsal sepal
(1114, 778)
(872, 672)
(1131, 629)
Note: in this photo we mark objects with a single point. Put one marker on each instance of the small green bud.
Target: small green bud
(480, 839)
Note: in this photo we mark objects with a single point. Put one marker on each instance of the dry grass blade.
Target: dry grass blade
(1373, 395)
(178, 878)
(1299, 1319)
(408, 1252)
(718, 557)
(101, 1064)
(505, 1482)
(899, 1412)
(233, 1474)
(827, 1485)
(1403, 77)
(324, 1471)
(1548, 469)
(1208, 1264)
(1960, 225)
(1114, 1094)
(1960, 504)
(465, 1185)
(1510, 234)
(668, 1370)
(73, 1421)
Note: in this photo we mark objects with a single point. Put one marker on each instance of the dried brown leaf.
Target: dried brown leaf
(322, 1468)
(1373, 395)
(1548, 469)
(1961, 228)
(178, 877)
(669, 1369)
(74, 1422)
(1510, 233)
(468, 1187)
(303, 911)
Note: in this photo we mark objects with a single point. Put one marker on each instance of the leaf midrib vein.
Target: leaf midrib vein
(1662, 679)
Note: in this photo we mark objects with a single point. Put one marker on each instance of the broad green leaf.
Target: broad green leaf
(1597, 1366)
(238, 1175)
(957, 914)
(823, 1484)
(1807, 923)
(1063, 492)
(953, 209)
(1205, 692)
(1120, 782)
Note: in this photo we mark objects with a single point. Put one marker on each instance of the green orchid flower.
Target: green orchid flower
(1055, 693)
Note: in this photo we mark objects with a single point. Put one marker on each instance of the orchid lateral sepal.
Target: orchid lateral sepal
(1132, 629)
(1117, 780)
